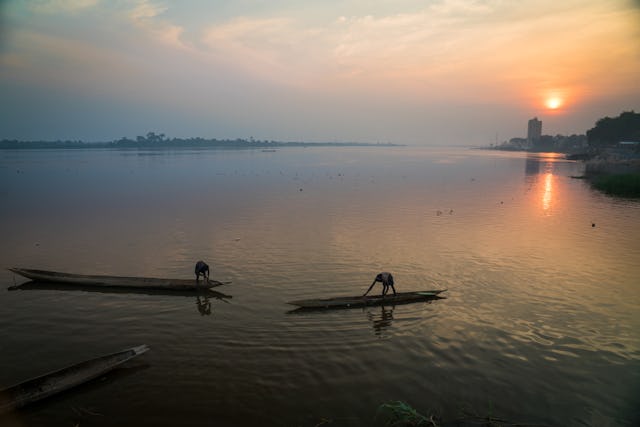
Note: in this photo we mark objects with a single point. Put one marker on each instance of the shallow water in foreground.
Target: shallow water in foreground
(540, 323)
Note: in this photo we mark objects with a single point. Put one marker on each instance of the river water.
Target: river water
(540, 325)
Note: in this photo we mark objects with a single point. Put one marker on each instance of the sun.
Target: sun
(553, 103)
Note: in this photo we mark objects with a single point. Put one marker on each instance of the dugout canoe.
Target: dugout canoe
(115, 281)
(360, 301)
(46, 385)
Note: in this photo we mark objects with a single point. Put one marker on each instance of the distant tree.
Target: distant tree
(610, 131)
(153, 138)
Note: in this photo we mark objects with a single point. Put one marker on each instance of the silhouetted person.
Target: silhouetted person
(386, 279)
(202, 269)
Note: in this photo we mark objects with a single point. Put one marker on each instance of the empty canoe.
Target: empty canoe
(360, 301)
(55, 382)
(115, 281)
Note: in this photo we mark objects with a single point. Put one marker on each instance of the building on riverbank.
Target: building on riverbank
(534, 132)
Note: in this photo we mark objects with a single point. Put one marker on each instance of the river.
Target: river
(539, 325)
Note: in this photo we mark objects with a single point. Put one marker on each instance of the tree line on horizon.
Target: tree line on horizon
(606, 132)
(159, 140)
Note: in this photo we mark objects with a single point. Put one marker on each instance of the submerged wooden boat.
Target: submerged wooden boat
(360, 301)
(55, 382)
(115, 281)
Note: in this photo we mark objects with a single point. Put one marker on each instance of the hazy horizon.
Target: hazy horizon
(407, 72)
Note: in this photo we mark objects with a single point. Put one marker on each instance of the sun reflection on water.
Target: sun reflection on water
(547, 195)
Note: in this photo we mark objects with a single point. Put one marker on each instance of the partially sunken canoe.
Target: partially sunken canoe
(55, 382)
(360, 301)
(115, 281)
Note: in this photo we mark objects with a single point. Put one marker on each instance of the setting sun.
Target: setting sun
(553, 103)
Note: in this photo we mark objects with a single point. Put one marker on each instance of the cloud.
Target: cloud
(450, 49)
(359, 69)
(57, 6)
(144, 10)
(146, 15)
(359, 47)
(276, 45)
(62, 63)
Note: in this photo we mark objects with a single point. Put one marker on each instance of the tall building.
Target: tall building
(534, 132)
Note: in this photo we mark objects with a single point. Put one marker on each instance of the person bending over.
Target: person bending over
(386, 279)
(202, 269)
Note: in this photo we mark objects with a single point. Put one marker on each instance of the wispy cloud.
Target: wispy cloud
(48, 61)
(346, 61)
(445, 49)
(55, 6)
(281, 47)
(147, 15)
(142, 10)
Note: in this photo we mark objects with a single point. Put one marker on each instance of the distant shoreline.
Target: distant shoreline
(571, 151)
(176, 143)
(612, 170)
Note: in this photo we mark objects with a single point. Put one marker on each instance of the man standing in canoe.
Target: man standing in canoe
(202, 268)
(386, 279)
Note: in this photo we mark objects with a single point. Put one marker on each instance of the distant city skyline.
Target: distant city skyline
(406, 72)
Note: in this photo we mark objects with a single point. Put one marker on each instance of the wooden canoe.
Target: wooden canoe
(360, 301)
(55, 382)
(115, 281)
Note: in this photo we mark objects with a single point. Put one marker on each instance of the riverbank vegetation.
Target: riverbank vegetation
(623, 185)
(401, 414)
(609, 132)
(615, 166)
(153, 140)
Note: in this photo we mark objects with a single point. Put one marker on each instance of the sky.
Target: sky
(431, 72)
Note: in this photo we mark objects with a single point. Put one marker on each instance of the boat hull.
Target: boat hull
(115, 281)
(360, 301)
(46, 385)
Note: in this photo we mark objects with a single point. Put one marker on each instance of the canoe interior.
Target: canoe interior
(114, 281)
(55, 382)
(360, 301)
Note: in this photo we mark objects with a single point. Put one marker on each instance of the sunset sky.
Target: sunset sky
(402, 71)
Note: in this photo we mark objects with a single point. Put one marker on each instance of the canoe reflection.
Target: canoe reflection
(203, 296)
(380, 316)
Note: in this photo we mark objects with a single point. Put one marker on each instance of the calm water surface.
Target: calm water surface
(540, 324)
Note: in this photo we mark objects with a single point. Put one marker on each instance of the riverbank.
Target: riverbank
(614, 176)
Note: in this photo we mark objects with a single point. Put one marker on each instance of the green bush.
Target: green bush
(625, 185)
(398, 413)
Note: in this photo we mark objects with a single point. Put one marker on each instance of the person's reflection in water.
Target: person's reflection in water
(382, 321)
(204, 305)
